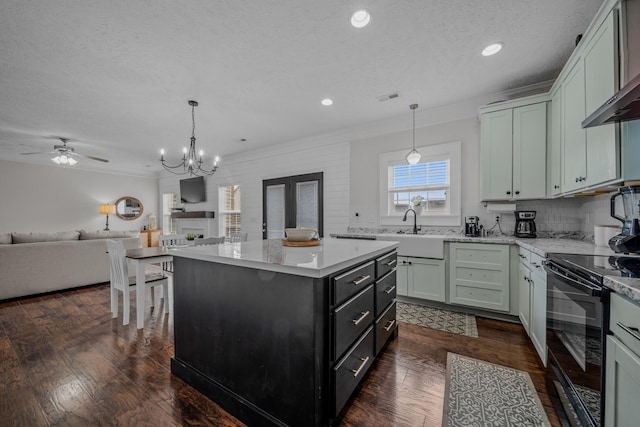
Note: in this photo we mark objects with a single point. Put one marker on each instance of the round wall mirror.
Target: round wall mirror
(129, 208)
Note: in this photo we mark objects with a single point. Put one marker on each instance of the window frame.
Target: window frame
(448, 150)
(223, 211)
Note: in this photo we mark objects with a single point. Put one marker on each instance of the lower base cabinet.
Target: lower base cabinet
(422, 278)
(532, 300)
(622, 374)
(479, 275)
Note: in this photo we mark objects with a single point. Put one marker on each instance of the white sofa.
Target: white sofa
(34, 263)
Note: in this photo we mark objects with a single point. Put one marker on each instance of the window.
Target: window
(230, 210)
(431, 187)
(169, 225)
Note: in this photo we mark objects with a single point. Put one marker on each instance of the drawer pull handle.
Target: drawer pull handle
(361, 318)
(360, 280)
(388, 291)
(521, 256)
(357, 371)
(390, 263)
(390, 325)
(630, 329)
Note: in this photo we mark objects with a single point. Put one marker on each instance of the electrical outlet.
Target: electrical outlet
(497, 217)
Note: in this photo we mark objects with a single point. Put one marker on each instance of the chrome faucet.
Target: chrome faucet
(415, 220)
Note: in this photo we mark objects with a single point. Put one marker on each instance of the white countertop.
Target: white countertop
(330, 256)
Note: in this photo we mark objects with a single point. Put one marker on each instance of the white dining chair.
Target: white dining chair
(121, 282)
(238, 237)
(166, 241)
(208, 241)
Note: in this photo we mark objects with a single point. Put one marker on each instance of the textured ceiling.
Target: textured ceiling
(116, 75)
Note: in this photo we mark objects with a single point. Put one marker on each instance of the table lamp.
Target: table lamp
(106, 209)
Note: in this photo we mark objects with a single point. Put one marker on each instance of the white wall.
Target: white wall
(250, 169)
(52, 198)
(364, 166)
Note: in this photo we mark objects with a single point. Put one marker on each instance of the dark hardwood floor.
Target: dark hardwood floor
(65, 362)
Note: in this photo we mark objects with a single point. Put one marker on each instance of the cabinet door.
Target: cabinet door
(529, 151)
(574, 139)
(496, 154)
(622, 385)
(428, 280)
(538, 319)
(555, 145)
(402, 276)
(524, 295)
(601, 83)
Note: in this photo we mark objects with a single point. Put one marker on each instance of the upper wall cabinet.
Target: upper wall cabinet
(513, 152)
(591, 156)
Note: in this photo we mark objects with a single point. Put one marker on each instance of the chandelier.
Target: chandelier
(190, 163)
(413, 157)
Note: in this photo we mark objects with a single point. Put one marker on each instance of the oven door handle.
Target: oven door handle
(557, 271)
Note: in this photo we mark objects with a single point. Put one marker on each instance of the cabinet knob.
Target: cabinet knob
(556, 187)
(578, 179)
(508, 192)
(517, 192)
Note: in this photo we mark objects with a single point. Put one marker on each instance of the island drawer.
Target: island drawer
(386, 263)
(353, 281)
(385, 326)
(349, 371)
(351, 319)
(385, 291)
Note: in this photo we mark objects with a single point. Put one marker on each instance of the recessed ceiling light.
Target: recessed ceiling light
(492, 49)
(326, 102)
(360, 18)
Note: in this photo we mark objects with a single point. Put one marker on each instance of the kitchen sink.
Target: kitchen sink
(417, 245)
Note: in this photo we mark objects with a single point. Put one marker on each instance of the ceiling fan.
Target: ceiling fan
(65, 154)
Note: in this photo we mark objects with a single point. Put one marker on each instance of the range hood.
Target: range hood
(621, 107)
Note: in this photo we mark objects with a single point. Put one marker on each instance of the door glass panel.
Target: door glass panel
(307, 212)
(275, 195)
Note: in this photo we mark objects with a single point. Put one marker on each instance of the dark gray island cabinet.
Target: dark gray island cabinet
(282, 336)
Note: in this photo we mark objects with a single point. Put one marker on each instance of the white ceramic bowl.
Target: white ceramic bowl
(300, 234)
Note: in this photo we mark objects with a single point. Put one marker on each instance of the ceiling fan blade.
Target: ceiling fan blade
(37, 152)
(91, 157)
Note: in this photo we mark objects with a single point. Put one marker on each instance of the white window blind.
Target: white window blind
(424, 185)
(230, 210)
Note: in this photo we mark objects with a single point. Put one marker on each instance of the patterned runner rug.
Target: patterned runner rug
(435, 318)
(479, 393)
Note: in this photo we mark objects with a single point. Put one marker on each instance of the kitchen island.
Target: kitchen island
(282, 336)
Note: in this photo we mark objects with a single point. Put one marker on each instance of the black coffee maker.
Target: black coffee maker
(629, 240)
(525, 224)
(472, 226)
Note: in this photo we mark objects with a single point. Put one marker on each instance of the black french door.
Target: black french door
(289, 202)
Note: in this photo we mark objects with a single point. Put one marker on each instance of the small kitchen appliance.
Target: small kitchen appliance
(628, 241)
(472, 226)
(525, 224)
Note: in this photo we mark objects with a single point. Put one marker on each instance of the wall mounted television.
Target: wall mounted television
(192, 190)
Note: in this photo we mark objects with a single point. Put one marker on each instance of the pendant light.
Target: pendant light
(414, 156)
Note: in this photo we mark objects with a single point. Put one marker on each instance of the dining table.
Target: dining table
(139, 259)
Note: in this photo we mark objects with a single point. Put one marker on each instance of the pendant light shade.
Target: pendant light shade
(414, 156)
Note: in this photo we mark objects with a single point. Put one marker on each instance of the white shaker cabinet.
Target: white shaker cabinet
(513, 152)
(601, 83)
(590, 156)
(622, 373)
(554, 147)
(479, 275)
(532, 300)
(422, 278)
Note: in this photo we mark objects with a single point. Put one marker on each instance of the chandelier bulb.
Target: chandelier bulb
(201, 153)
(162, 151)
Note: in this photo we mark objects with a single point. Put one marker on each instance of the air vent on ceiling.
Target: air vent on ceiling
(388, 96)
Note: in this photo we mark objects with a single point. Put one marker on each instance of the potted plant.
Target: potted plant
(417, 203)
(190, 237)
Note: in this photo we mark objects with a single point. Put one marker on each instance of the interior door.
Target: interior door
(289, 202)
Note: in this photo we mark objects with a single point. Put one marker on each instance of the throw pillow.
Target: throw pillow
(5, 238)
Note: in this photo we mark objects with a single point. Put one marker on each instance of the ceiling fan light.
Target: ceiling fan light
(56, 160)
(71, 161)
